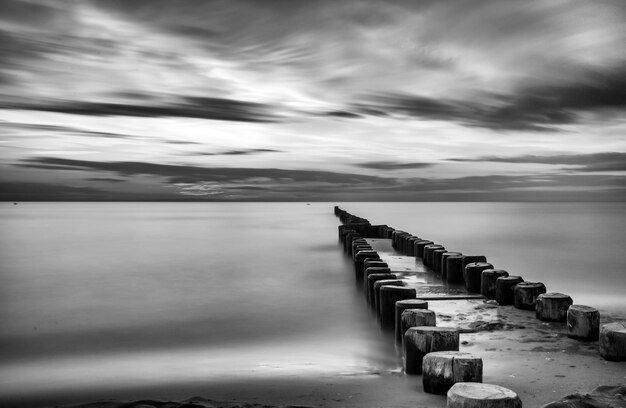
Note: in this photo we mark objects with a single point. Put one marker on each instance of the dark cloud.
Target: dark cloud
(181, 142)
(15, 191)
(387, 165)
(532, 188)
(107, 179)
(219, 183)
(609, 161)
(66, 130)
(531, 107)
(237, 152)
(343, 114)
(190, 107)
(28, 12)
(193, 174)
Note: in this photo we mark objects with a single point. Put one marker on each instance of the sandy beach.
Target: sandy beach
(535, 359)
(538, 361)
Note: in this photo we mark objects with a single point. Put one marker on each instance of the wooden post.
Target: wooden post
(359, 260)
(442, 369)
(411, 245)
(395, 239)
(613, 341)
(360, 246)
(526, 294)
(389, 295)
(405, 304)
(370, 271)
(377, 286)
(428, 254)
(478, 395)
(467, 259)
(347, 243)
(583, 322)
(552, 307)
(422, 340)
(444, 264)
(406, 244)
(474, 274)
(437, 257)
(415, 318)
(371, 280)
(375, 263)
(419, 247)
(504, 289)
(488, 281)
(454, 269)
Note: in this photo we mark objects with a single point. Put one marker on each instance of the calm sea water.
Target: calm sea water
(98, 297)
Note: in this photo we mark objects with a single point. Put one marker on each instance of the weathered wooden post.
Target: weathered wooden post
(377, 286)
(357, 246)
(422, 340)
(347, 243)
(374, 263)
(405, 304)
(552, 307)
(613, 341)
(370, 271)
(371, 280)
(389, 232)
(473, 275)
(583, 322)
(389, 295)
(442, 369)
(415, 318)
(467, 259)
(437, 257)
(411, 245)
(444, 264)
(454, 268)
(479, 395)
(504, 289)
(488, 282)
(526, 294)
(419, 247)
(395, 239)
(406, 244)
(359, 260)
(428, 253)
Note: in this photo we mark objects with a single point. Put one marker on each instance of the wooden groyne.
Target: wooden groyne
(403, 275)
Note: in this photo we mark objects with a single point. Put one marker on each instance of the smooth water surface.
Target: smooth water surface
(574, 248)
(111, 295)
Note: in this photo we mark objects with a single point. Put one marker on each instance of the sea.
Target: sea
(97, 297)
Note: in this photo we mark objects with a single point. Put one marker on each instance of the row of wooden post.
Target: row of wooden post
(434, 351)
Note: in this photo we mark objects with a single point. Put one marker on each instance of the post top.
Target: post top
(431, 329)
(481, 391)
(554, 295)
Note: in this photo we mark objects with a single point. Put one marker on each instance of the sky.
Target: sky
(289, 100)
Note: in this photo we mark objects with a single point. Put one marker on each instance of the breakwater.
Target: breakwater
(395, 266)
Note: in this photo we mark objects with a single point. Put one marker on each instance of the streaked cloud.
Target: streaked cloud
(238, 152)
(385, 165)
(189, 107)
(242, 99)
(192, 174)
(610, 161)
(217, 183)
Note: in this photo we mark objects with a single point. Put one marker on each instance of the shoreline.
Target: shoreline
(535, 359)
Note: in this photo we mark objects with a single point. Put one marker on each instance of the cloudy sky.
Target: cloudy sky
(313, 100)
